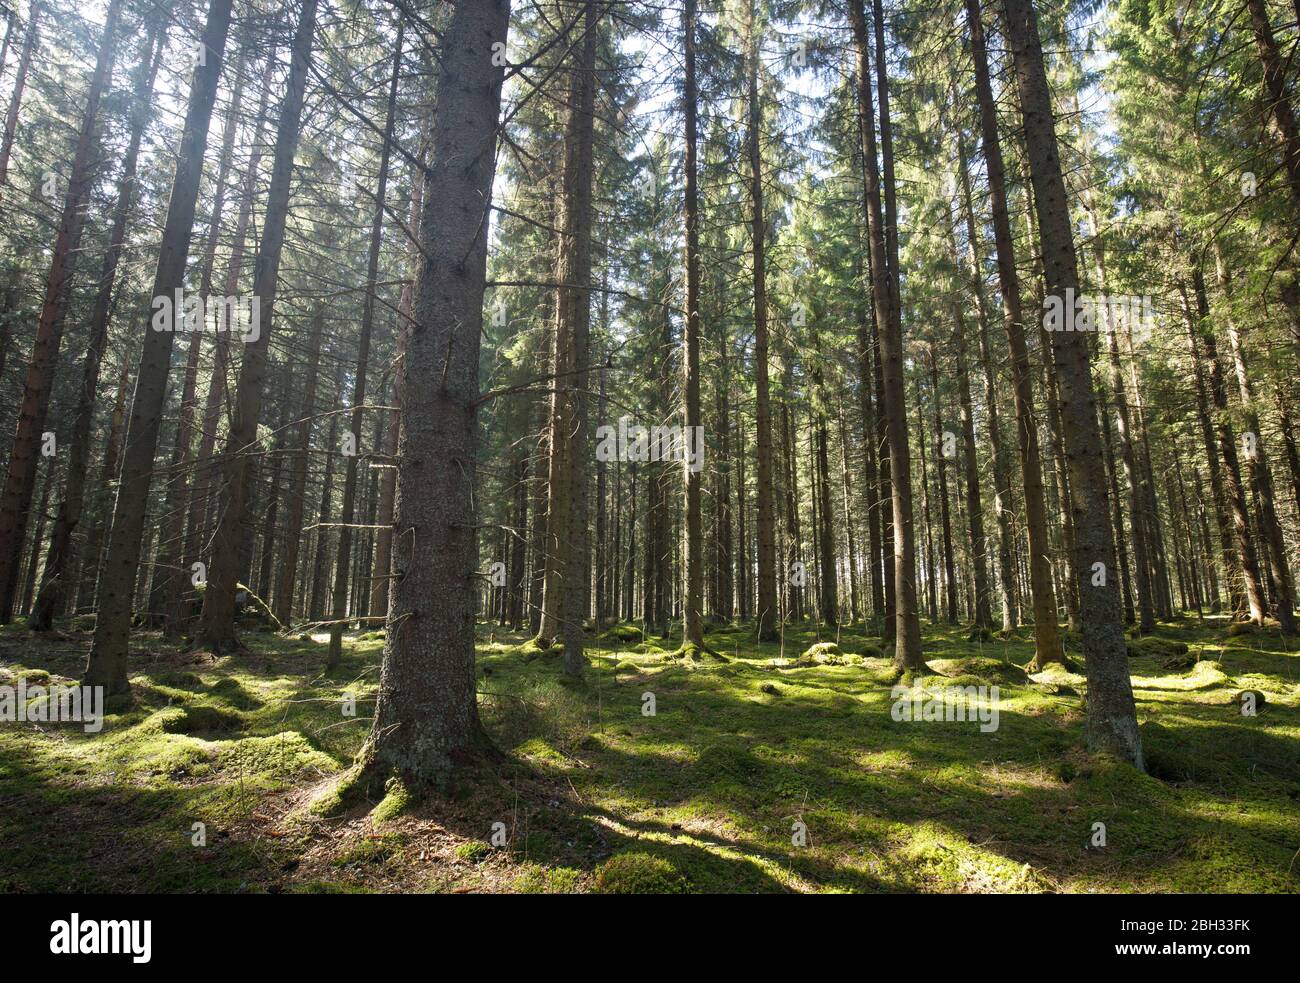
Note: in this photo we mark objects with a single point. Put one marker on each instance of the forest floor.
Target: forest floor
(704, 795)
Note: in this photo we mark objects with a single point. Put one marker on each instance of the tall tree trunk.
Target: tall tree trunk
(200, 494)
(107, 662)
(50, 601)
(949, 568)
(88, 580)
(1234, 491)
(20, 481)
(168, 595)
(884, 251)
(982, 615)
(388, 477)
(320, 560)
(357, 418)
(767, 612)
(1279, 100)
(855, 603)
(298, 472)
(1003, 507)
(1047, 642)
(575, 321)
(1112, 716)
(426, 718)
(33, 553)
(1257, 466)
(217, 628)
(693, 622)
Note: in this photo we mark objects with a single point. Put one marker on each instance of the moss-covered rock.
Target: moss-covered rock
(823, 653)
(976, 670)
(622, 633)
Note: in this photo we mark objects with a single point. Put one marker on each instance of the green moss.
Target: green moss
(708, 786)
(280, 755)
(196, 719)
(472, 851)
(979, 670)
(537, 879)
(232, 692)
(826, 653)
(639, 873)
(374, 849)
(1155, 647)
(397, 800)
(622, 633)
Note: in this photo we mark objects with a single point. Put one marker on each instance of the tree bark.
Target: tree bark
(693, 622)
(20, 480)
(107, 663)
(217, 627)
(884, 251)
(1112, 716)
(426, 719)
(50, 601)
(1047, 642)
(767, 612)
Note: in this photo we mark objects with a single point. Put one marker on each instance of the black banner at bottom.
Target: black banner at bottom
(142, 934)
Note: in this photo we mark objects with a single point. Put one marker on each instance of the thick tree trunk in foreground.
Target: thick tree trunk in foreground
(217, 630)
(106, 665)
(1112, 716)
(20, 481)
(426, 719)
